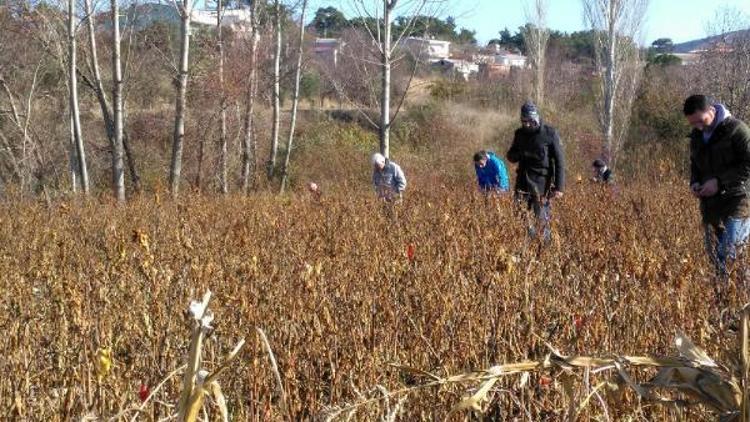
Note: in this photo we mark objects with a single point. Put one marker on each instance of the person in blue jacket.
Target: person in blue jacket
(491, 172)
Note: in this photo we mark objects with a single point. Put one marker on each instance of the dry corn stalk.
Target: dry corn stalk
(196, 381)
(692, 373)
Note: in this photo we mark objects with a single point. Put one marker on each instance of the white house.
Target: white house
(464, 68)
(328, 49)
(237, 19)
(510, 60)
(428, 49)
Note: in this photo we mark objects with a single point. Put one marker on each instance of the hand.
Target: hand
(710, 188)
(695, 188)
(557, 195)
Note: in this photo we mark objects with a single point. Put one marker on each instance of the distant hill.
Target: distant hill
(703, 43)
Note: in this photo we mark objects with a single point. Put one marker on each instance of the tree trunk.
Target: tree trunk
(276, 91)
(610, 83)
(98, 85)
(73, 161)
(181, 99)
(538, 36)
(118, 169)
(248, 141)
(201, 154)
(134, 178)
(222, 104)
(295, 102)
(75, 113)
(385, 89)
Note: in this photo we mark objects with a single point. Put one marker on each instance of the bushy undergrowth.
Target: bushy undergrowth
(445, 283)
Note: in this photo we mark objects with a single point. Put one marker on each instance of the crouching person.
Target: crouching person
(492, 175)
(388, 179)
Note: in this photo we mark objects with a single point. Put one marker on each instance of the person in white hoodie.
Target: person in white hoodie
(388, 179)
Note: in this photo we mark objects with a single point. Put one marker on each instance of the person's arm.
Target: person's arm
(559, 157)
(732, 178)
(695, 173)
(503, 175)
(400, 179)
(480, 178)
(696, 178)
(515, 153)
(494, 172)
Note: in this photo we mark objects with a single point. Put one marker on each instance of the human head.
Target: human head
(530, 116)
(699, 111)
(480, 158)
(313, 187)
(378, 161)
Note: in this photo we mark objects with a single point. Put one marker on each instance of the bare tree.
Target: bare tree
(223, 175)
(725, 61)
(617, 27)
(295, 103)
(50, 31)
(118, 170)
(536, 37)
(22, 162)
(95, 83)
(184, 9)
(380, 15)
(248, 139)
(113, 121)
(276, 90)
(73, 97)
(113, 117)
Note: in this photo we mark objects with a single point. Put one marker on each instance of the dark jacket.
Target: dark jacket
(726, 157)
(606, 177)
(541, 164)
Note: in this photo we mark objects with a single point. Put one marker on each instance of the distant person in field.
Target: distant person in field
(314, 190)
(491, 173)
(602, 172)
(540, 176)
(720, 176)
(388, 179)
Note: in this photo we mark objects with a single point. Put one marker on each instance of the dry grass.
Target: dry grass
(332, 286)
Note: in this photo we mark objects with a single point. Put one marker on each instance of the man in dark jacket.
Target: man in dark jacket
(540, 175)
(602, 172)
(720, 176)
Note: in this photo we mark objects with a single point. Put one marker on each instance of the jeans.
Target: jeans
(542, 208)
(723, 243)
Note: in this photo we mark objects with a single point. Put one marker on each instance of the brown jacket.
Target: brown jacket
(726, 157)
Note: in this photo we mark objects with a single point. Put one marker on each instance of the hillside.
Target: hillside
(703, 43)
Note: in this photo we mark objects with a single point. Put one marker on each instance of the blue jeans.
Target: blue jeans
(722, 243)
(542, 208)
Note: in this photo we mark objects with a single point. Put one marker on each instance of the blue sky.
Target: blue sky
(681, 20)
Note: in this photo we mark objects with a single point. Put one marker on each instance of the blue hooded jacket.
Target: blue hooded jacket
(493, 175)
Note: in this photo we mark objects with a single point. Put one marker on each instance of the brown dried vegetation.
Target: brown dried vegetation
(342, 303)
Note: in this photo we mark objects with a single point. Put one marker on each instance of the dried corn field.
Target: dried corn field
(350, 295)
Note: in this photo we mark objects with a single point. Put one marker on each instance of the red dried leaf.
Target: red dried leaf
(143, 392)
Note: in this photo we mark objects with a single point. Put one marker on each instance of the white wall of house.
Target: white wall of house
(237, 19)
(512, 60)
(431, 50)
